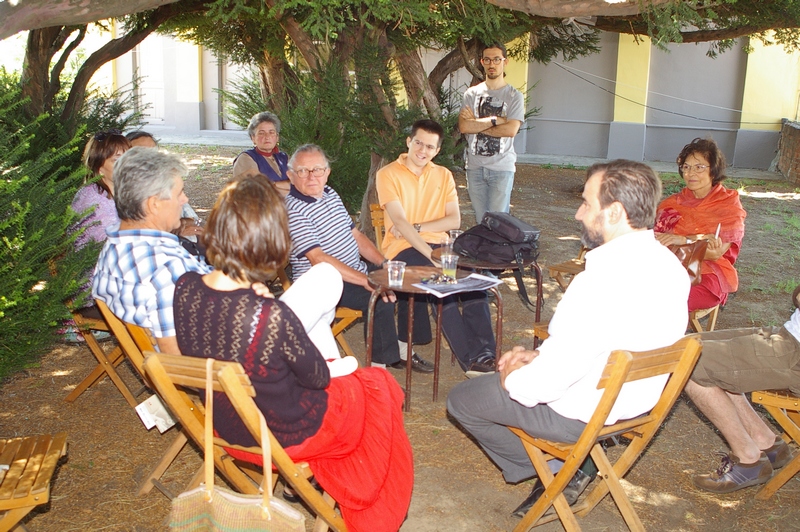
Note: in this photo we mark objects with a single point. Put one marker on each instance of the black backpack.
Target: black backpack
(499, 239)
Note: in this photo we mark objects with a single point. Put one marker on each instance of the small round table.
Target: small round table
(472, 264)
(379, 279)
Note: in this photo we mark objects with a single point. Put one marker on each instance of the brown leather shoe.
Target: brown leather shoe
(733, 475)
(779, 454)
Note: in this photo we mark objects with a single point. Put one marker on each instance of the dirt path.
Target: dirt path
(457, 488)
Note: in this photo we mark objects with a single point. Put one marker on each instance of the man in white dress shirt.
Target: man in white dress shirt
(633, 295)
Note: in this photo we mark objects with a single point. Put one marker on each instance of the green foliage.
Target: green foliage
(41, 167)
(39, 268)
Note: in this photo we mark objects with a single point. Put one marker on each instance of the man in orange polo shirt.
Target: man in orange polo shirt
(421, 205)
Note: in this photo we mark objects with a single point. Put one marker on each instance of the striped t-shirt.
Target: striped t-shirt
(321, 223)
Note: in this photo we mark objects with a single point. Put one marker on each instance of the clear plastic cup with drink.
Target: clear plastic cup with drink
(449, 264)
(397, 270)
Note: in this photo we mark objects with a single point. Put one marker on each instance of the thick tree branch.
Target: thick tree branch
(34, 14)
(637, 27)
(576, 8)
(112, 50)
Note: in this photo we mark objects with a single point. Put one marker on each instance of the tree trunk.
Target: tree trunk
(301, 39)
(419, 91)
(109, 51)
(370, 196)
(272, 74)
(42, 46)
(451, 63)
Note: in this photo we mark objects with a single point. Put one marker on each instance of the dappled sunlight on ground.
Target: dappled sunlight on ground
(640, 494)
(771, 195)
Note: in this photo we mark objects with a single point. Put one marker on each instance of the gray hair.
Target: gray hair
(308, 148)
(142, 173)
(258, 118)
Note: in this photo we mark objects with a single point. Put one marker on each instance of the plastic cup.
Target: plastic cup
(455, 233)
(447, 245)
(449, 265)
(397, 270)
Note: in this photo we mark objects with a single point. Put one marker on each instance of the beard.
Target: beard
(592, 235)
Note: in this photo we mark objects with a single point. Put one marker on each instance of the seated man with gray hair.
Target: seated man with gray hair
(141, 260)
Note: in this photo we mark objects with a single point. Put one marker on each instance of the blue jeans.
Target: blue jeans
(485, 410)
(489, 190)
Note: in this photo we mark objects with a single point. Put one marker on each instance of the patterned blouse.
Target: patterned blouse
(268, 340)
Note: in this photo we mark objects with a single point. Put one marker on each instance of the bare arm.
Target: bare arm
(168, 345)
(283, 187)
(716, 247)
(366, 248)
(467, 123)
(402, 227)
(349, 275)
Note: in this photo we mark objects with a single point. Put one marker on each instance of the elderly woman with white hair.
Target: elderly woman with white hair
(264, 157)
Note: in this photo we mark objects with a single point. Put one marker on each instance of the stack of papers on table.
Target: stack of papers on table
(475, 282)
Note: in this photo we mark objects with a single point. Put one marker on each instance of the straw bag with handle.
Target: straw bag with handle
(213, 508)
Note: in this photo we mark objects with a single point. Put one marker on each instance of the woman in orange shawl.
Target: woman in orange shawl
(698, 211)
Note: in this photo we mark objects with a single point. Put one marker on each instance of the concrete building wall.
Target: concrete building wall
(576, 103)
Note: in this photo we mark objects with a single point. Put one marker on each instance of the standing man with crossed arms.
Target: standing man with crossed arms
(492, 114)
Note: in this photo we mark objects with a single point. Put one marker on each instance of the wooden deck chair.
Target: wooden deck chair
(106, 363)
(174, 376)
(571, 267)
(678, 360)
(26, 467)
(344, 317)
(134, 341)
(696, 315)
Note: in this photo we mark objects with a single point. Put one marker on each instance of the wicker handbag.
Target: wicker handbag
(212, 508)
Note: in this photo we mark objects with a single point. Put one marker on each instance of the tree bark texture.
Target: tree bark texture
(109, 51)
(370, 196)
(418, 88)
(35, 14)
(576, 8)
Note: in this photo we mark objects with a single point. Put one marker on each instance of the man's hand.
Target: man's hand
(189, 227)
(513, 360)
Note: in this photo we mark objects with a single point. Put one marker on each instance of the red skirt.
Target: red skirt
(361, 454)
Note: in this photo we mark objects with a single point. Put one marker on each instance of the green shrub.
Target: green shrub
(40, 270)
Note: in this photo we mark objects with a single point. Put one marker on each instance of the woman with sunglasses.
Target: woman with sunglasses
(705, 209)
(99, 156)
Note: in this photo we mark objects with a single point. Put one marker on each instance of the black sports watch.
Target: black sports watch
(494, 121)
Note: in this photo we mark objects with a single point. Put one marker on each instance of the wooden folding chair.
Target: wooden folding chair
(678, 360)
(174, 375)
(571, 267)
(26, 467)
(134, 340)
(106, 363)
(696, 315)
(376, 215)
(344, 317)
(784, 407)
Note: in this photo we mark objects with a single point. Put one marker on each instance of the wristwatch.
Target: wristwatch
(418, 227)
(494, 121)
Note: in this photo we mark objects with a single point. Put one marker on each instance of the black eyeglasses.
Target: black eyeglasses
(100, 136)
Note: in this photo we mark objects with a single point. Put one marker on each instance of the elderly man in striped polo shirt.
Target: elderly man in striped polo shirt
(322, 231)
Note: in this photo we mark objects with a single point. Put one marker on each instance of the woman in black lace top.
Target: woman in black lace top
(350, 428)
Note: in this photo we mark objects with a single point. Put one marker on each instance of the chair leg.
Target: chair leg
(610, 478)
(10, 519)
(169, 456)
(97, 373)
(779, 479)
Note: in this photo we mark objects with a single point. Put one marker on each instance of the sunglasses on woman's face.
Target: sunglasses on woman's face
(100, 136)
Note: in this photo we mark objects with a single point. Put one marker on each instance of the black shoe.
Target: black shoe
(289, 495)
(418, 364)
(483, 365)
(572, 491)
